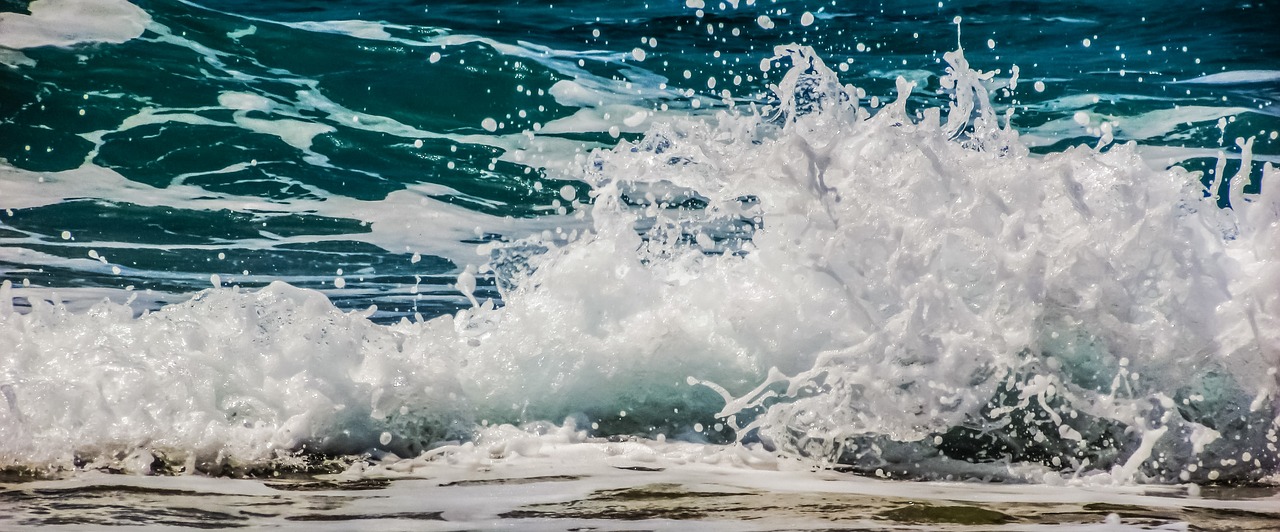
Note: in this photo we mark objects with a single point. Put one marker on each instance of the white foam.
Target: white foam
(408, 219)
(360, 29)
(1234, 77)
(71, 22)
(15, 59)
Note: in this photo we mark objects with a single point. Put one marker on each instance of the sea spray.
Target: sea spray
(931, 292)
(873, 287)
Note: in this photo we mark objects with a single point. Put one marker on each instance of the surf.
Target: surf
(902, 291)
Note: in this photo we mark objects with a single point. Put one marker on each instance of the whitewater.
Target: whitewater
(875, 287)
(786, 297)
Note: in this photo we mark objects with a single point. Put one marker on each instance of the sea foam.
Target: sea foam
(901, 291)
(72, 22)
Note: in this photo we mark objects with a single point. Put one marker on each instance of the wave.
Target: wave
(901, 291)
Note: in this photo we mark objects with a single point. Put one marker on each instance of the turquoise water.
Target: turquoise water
(373, 151)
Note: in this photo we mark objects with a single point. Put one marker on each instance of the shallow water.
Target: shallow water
(548, 493)
(947, 242)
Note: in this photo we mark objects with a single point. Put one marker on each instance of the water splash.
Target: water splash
(842, 284)
(931, 284)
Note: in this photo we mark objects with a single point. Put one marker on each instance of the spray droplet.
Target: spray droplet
(385, 438)
(806, 19)
(489, 124)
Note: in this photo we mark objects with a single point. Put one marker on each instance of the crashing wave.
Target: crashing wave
(839, 282)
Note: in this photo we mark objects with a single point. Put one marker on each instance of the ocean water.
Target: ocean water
(954, 241)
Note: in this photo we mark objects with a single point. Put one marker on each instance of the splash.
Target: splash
(925, 293)
(834, 280)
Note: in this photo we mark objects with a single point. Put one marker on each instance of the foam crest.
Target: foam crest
(227, 380)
